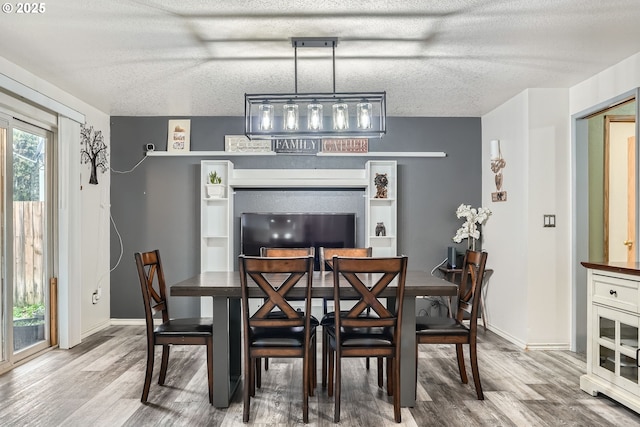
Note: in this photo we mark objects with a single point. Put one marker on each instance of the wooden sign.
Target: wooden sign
(348, 145)
(296, 146)
(242, 144)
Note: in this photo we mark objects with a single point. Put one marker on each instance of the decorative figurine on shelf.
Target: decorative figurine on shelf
(380, 229)
(381, 181)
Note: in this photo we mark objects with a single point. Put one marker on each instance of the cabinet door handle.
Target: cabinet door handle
(637, 351)
(612, 292)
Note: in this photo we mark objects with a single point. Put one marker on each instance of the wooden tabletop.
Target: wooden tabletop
(227, 284)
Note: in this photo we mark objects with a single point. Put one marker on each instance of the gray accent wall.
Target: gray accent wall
(157, 205)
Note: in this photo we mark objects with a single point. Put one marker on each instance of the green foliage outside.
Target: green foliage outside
(28, 311)
(28, 162)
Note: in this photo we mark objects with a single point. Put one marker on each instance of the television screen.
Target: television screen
(297, 230)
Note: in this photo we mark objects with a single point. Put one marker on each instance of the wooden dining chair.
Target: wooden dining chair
(291, 334)
(326, 259)
(267, 251)
(358, 335)
(448, 330)
(184, 331)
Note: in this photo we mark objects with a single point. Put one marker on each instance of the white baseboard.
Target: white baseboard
(524, 346)
(129, 322)
(96, 328)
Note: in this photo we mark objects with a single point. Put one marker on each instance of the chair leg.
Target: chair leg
(324, 362)
(390, 376)
(367, 364)
(380, 372)
(330, 356)
(396, 388)
(248, 385)
(461, 368)
(210, 369)
(258, 374)
(149, 372)
(312, 367)
(253, 373)
(338, 362)
(164, 363)
(306, 371)
(266, 363)
(474, 369)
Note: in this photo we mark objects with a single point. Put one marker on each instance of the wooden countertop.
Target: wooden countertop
(632, 268)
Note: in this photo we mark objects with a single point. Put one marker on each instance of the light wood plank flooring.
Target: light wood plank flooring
(99, 382)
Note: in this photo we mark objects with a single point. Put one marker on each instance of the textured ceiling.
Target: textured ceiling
(433, 58)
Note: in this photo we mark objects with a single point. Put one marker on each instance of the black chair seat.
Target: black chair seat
(330, 318)
(426, 325)
(196, 326)
(362, 337)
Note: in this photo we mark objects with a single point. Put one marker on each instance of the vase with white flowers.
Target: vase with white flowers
(474, 217)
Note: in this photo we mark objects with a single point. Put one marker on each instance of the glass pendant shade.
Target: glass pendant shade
(266, 117)
(314, 116)
(290, 117)
(363, 112)
(301, 115)
(340, 116)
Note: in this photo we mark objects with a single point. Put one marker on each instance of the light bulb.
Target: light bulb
(266, 117)
(290, 116)
(314, 118)
(340, 116)
(363, 112)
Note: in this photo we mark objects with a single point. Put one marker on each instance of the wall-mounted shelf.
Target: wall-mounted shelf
(272, 153)
(207, 153)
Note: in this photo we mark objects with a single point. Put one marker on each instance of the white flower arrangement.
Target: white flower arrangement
(469, 229)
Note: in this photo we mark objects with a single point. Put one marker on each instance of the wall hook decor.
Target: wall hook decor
(94, 151)
(497, 164)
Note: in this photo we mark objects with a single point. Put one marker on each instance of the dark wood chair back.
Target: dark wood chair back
(358, 334)
(277, 329)
(446, 330)
(154, 288)
(287, 252)
(326, 254)
(184, 331)
(470, 287)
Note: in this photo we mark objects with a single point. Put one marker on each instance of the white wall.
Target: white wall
(614, 81)
(528, 296)
(92, 256)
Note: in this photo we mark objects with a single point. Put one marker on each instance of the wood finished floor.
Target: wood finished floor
(99, 382)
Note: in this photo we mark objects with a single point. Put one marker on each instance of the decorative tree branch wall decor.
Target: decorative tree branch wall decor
(93, 150)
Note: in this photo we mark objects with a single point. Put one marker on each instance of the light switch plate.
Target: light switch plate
(549, 220)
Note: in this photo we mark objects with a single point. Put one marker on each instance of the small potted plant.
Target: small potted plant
(215, 188)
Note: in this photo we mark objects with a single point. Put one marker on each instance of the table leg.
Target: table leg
(408, 353)
(227, 340)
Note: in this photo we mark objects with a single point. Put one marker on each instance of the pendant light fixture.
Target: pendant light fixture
(315, 115)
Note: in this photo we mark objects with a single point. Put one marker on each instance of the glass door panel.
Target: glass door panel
(617, 349)
(29, 234)
(4, 317)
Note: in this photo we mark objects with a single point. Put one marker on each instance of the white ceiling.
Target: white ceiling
(433, 58)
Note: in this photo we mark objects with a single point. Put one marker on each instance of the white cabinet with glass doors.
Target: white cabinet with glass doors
(613, 336)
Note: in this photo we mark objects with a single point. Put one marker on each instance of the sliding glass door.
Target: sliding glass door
(26, 238)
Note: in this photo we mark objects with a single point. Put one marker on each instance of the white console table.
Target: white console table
(613, 316)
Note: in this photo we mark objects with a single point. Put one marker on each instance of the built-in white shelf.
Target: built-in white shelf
(272, 153)
(208, 153)
(389, 154)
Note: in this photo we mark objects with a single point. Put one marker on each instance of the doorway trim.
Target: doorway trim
(580, 213)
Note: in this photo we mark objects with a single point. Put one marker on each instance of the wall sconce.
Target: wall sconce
(497, 164)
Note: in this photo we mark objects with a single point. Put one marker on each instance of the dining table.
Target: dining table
(224, 288)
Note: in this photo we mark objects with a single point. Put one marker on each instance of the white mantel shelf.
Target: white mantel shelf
(272, 153)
